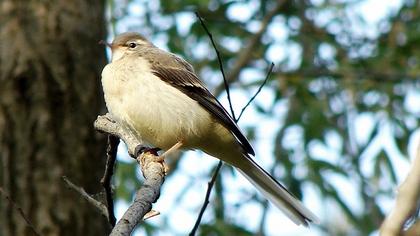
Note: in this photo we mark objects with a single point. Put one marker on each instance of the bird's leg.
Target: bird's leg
(175, 147)
(161, 158)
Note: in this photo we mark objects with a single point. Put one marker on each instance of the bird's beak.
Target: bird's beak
(105, 43)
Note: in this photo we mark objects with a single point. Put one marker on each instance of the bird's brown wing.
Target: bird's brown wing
(187, 82)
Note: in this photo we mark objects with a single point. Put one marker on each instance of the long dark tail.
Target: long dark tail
(276, 193)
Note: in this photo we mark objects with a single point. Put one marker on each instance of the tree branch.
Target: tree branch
(106, 124)
(219, 59)
(97, 204)
(408, 197)
(153, 172)
(206, 202)
(258, 90)
(20, 210)
(111, 154)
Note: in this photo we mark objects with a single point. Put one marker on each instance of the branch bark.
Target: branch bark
(153, 172)
(50, 63)
(106, 124)
(406, 203)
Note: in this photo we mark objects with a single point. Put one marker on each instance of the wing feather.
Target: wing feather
(186, 81)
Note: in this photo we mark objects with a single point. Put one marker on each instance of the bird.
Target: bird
(158, 96)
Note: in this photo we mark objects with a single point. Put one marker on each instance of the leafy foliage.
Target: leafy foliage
(335, 69)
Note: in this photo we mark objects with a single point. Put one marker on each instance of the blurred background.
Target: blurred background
(337, 121)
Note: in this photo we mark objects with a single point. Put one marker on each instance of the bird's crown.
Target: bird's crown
(125, 38)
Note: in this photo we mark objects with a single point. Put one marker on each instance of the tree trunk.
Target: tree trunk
(50, 64)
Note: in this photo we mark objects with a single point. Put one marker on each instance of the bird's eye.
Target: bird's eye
(132, 45)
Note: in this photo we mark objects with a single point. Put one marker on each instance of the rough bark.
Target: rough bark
(50, 94)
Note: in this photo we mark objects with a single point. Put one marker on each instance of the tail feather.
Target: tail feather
(276, 193)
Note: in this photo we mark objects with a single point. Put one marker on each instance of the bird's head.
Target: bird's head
(126, 43)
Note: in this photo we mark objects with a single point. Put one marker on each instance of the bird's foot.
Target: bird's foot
(161, 158)
(143, 149)
(140, 149)
(144, 158)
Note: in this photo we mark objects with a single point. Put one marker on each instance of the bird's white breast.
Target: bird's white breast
(157, 112)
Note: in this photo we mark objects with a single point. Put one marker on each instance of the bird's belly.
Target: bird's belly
(156, 112)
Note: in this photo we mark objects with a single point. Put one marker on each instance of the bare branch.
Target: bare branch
(219, 59)
(258, 91)
(407, 201)
(106, 210)
(210, 185)
(20, 210)
(97, 204)
(153, 172)
(111, 154)
(107, 125)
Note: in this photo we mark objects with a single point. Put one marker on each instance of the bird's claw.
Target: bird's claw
(143, 149)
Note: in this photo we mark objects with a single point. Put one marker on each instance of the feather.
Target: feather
(188, 83)
(276, 192)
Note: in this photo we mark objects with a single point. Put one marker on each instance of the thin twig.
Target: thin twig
(258, 91)
(97, 204)
(111, 156)
(219, 59)
(210, 185)
(20, 210)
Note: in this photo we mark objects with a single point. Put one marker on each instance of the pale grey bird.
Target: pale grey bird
(159, 97)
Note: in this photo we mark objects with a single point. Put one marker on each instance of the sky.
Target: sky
(192, 174)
